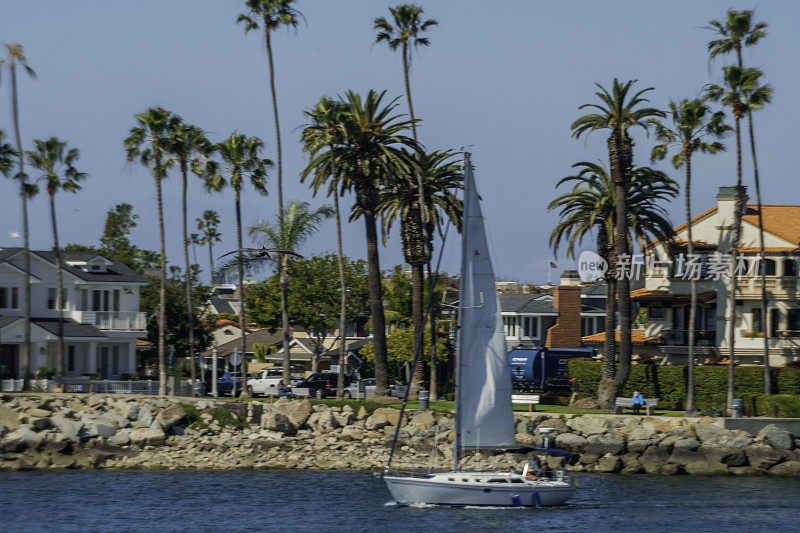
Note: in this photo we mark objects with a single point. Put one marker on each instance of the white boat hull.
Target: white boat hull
(452, 489)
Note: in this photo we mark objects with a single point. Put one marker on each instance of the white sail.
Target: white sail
(484, 414)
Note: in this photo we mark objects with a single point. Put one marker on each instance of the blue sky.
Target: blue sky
(506, 83)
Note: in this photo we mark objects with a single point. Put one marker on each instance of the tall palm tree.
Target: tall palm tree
(207, 225)
(731, 94)
(618, 112)
(16, 57)
(7, 156)
(325, 132)
(370, 157)
(693, 122)
(442, 176)
(189, 148)
(298, 225)
(240, 161)
(736, 31)
(56, 165)
(148, 143)
(589, 209)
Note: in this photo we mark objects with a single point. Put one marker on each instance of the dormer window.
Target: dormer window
(96, 268)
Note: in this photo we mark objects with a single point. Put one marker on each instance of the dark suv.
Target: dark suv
(321, 384)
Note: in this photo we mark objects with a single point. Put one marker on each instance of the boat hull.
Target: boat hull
(437, 490)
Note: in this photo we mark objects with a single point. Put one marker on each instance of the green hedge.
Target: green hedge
(669, 382)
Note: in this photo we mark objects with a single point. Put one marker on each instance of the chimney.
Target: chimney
(726, 208)
(566, 333)
(570, 278)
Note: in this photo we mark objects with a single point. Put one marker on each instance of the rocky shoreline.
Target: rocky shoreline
(46, 431)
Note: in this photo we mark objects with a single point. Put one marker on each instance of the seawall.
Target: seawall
(47, 431)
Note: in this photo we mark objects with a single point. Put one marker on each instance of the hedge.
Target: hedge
(668, 383)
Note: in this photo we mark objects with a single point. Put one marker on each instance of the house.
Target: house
(556, 317)
(665, 294)
(101, 311)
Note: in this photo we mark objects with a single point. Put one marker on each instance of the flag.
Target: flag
(553, 265)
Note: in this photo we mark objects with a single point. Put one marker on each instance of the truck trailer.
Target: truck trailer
(540, 369)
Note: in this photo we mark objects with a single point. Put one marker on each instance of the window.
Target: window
(588, 326)
(793, 319)
(769, 267)
(115, 360)
(655, 313)
(774, 322)
(51, 298)
(71, 358)
(84, 300)
(510, 323)
(14, 298)
(4, 298)
(757, 325)
(530, 327)
(789, 267)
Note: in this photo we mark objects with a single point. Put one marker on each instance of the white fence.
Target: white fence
(15, 385)
(105, 385)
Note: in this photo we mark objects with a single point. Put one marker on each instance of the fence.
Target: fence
(184, 388)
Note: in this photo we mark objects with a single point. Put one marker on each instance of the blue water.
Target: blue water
(288, 501)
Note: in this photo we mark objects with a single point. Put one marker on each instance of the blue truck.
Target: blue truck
(540, 369)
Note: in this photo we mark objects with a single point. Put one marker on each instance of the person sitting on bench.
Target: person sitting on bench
(637, 402)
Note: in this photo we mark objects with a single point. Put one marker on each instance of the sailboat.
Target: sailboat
(484, 417)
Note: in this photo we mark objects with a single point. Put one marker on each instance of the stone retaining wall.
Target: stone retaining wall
(113, 431)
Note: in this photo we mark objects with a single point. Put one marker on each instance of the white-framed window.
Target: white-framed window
(9, 297)
(530, 327)
(510, 323)
(51, 298)
(588, 325)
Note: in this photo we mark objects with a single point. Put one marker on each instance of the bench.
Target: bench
(303, 392)
(622, 403)
(64, 384)
(529, 399)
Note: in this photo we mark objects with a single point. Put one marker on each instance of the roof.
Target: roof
(354, 346)
(7, 320)
(115, 273)
(594, 289)
(261, 336)
(770, 249)
(637, 337)
(526, 303)
(221, 305)
(71, 328)
(780, 220)
(666, 296)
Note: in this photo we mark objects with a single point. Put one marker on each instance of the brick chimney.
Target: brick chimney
(566, 333)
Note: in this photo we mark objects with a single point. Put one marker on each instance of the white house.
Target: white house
(101, 311)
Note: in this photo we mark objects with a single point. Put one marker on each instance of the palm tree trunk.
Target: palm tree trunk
(693, 289)
(737, 227)
(606, 389)
(408, 90)
(188, 283)
(287, 334)
(211, 261)
(162, 290)
(25, 363)
(342, 286)
(767, 373)
(418, 319)
(620, 152)
(245, 393)
(376, 305)
(60, 290)
(432, 385)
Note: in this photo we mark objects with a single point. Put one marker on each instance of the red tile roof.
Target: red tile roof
(637, 337)
(666, 296)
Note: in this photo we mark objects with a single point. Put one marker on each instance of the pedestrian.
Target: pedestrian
(573, 385)
(637, 402)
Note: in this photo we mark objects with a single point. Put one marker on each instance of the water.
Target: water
(290, 501)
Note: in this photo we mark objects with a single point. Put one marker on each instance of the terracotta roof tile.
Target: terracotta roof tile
(666, 296)
(637, 337)
(780, 220)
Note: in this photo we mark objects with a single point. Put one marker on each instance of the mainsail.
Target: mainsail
(484, 414)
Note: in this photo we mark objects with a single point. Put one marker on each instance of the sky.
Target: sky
(505, 84)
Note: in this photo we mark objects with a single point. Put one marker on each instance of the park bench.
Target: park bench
(625, 403)
(64, 384)
(301, 392)
(526, 399)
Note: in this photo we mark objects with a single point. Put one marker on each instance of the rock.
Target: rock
(376, 421)
(121, 438)
(351, 433)
(39, 413)
(556, 423)
(630, 458)
(68, 427)
(63, 461)
(788, 468)
(653, 458)
(586, 403)
(273, 421)
(9, 418)
(120, 421)
(570, 442)
(668, 443)
(707, 431)
(31, 438)
(145, 416)
(12, 442)
(392, 415)
(638, 446)
(588, 425)
(423, 420)
(735, 438)
(151, 437)
(93, 400)
(684, 457)
(609, 464)
(344, 418)
(688, 444)
(668, 469)
(706, 468)
(131, 413)
(723, 454)
(40, 423)
(745, 471)
(170, 416)
(322, 421)
(777, 437)
(362, 413)
(524, 439)
(603, 444)
(762, 456)
(100, 427)
(641, 433)
(300, 414)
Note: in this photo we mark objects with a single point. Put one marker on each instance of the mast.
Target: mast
(459, 336)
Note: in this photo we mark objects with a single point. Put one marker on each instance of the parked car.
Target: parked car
(268, 382)
(321, 384)
(225, 383)
(395, 388)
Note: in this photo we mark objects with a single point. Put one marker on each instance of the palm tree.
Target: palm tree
(325, 132)
(618, 113)
(400, 201)
(370, 157)
(17, 57)
(731, 94)
(56, 165)
(207, 225)
(189, 148)
(589, 208)
(240, 160)
(693, 122)
(298, 225)
(7, 155)
(736, 31)
(148, 143)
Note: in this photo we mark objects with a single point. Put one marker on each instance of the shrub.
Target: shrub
(45, 372)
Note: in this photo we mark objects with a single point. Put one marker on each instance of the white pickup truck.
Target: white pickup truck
(268, 383)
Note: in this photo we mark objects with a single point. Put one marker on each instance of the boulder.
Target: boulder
(588, 425)
(63, 461)
(630, 458)
(300, 413)
(94, 400)
(120, 421)
(732, 437)
(121, 438)
(322, 421)
(638, 446)
(609, 464)
(684, 457)
(145, 416)
(376, 421)
(9, 418)
(652, 459)
(570, 442)
(556, 423)
(524, 439)
(344, 418)
(98, 427)
(788, 468)
(745, 471)
(352, 433)
(603, 444)
(131, 412)
(39, 413)
(151, 437)
(392, 415)
(669, 442)
(762, 456)
(423, 420)
(669, 469)
(362, 413)
(641, 433)
(706, 468)
(688, 444)
(12, 442)
(723, 454)
(68, 427)
(274, 421)
(170, 416)
(777, 437)
(40, 423)
(31, 438)
(707, 431)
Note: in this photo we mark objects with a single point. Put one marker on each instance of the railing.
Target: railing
(751, 285)
(113, 320)
(680, 337)
(106, 385)
(15, 385)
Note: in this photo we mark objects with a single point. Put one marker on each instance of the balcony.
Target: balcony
(112, 320)
(680, 337)
(776, 285)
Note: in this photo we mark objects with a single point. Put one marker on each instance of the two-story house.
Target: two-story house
(101, 312)
(665, 295)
